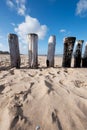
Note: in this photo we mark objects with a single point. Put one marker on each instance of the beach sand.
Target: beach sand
(43, 98)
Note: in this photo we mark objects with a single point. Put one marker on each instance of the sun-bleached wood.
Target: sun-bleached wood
(78, 53)
(33, 50)
(68, 50)
(51, 51)
(14, 50)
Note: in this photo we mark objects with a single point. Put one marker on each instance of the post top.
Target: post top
(11, 34)
(69, 39)
(32, 34)
(79, 41)
(52, 39)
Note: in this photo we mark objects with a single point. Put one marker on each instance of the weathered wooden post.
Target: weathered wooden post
(68, 50)
(84, 58)
(78, 53)
(33, 50)
(51, 51)
(14, 50)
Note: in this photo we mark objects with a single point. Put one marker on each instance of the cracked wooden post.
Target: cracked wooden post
(51, 51)
(84, 58)
(14, 50)
(78, 53)
(68, 50)
(33, 50)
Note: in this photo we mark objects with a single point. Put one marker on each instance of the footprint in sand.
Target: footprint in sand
(13, 114)
(22, 96)
(58, 72)
(49, 78)
(61, 82)
(53, 75)
(55, 119)
(2, 87)
(49, 85)
(65, 70)
(12, 71)
(33, 74)
(78, 83)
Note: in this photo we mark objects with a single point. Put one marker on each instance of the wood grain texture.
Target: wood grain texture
(14, 50)
(33, 50)
(51, 51)
(68, 50)
(78, 53)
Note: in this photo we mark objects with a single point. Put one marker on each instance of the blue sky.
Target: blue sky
(61, 18)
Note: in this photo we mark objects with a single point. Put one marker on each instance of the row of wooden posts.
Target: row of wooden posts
(33, 51)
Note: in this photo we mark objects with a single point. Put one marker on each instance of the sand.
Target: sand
(43, 98)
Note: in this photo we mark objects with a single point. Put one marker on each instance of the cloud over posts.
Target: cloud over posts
(81, 8)
(30, 25)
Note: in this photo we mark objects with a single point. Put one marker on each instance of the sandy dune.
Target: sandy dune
(43, 98)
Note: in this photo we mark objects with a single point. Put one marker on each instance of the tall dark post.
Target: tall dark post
(84, 58)
(51, 51)
(68, 50)
(78, 53)
(14, 50)
(33, 50)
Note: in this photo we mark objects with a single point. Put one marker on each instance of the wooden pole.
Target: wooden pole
(84, 58)
(33, 50)
(14, 50)
(51, 51)
(68, 50)
(78, 53)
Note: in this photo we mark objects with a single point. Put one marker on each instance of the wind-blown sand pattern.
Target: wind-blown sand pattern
(51, 98)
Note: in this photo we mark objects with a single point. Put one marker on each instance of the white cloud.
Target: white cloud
(13, 24)
(10, 3)
(19, 5)
(62, 30)
(21, 10)
(30, 25)
(81, 8)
